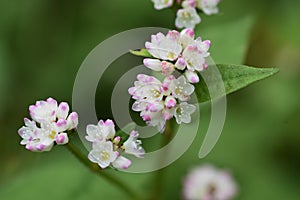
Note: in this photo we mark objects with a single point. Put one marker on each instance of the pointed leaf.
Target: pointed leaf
(234, 77)
(142, 52)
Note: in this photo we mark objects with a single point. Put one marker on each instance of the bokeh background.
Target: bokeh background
(43, 43)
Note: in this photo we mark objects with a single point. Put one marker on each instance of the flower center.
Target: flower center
(178, 90)
(155, 93)
(171, 55)
(52, 135)
(104, 155)
(187, 16)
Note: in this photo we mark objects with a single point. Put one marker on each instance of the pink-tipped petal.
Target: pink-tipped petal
(62, 138)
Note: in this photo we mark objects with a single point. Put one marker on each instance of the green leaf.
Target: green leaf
(230, 77)
(142, 52)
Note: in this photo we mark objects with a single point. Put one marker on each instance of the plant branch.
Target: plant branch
(96, 169)
(160, 174)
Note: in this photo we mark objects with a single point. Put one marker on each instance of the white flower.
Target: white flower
(121, 163)
(187, 37)
(189, 3)
(62, 138)
(165, 47)
(161, 4)
(181, 52)
(55, 131)
(208, 183)
(42, 139)
(209, 7)
(183, 113)
(187, 18)
(180, 63)
(72, 121)
(155, 119)
(48, 111)
(146, 87)
(133, 145)
(195, 54)
(191, 76)
(44, 110)
(34, 138)
(100, 132)
(53, 122)
(151, 103)
(103, 154)
(181, 89)
(151, 113)
(106, 147)
(171, 92)
(153, 64)
(165, 67)
(203, 46)
(170, 102)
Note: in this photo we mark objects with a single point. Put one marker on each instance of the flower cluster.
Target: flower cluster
(107, 148)
(178, 51)
(49, 125)
(187, 16)
(160, 101)
(207, 182)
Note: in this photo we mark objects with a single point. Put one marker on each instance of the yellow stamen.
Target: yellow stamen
(52, 135)
(104, 155)
(171, 55)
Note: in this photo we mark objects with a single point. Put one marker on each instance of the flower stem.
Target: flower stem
(160, 174)
(96, 169)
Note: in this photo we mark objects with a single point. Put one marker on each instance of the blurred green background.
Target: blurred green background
(43, 43)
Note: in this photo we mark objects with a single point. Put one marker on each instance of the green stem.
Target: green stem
(96, 169)
(160, 174)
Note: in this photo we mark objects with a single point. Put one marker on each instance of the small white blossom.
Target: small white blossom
(180, 63)
(170, 102)
(53, 122)
(161, 4)
(62, 138)
(34, 138)
(191, 53)
(183, 112)
(72, 121)
(194, 58)
(191, 76)
(165, 67)
(106, 148)
(100, 132)
(208, 183)
(187, 18)
(153, 64)
(187, 37)
(55, 131)
(209, 7)
(146, 87)
(103, 154)
(121, 163)
(165, 47)
(132, 145)
(189, 3)
(156, 111)
(181, 89)
(44, 110)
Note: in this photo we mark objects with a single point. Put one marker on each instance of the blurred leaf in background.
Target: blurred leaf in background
(42, 44)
